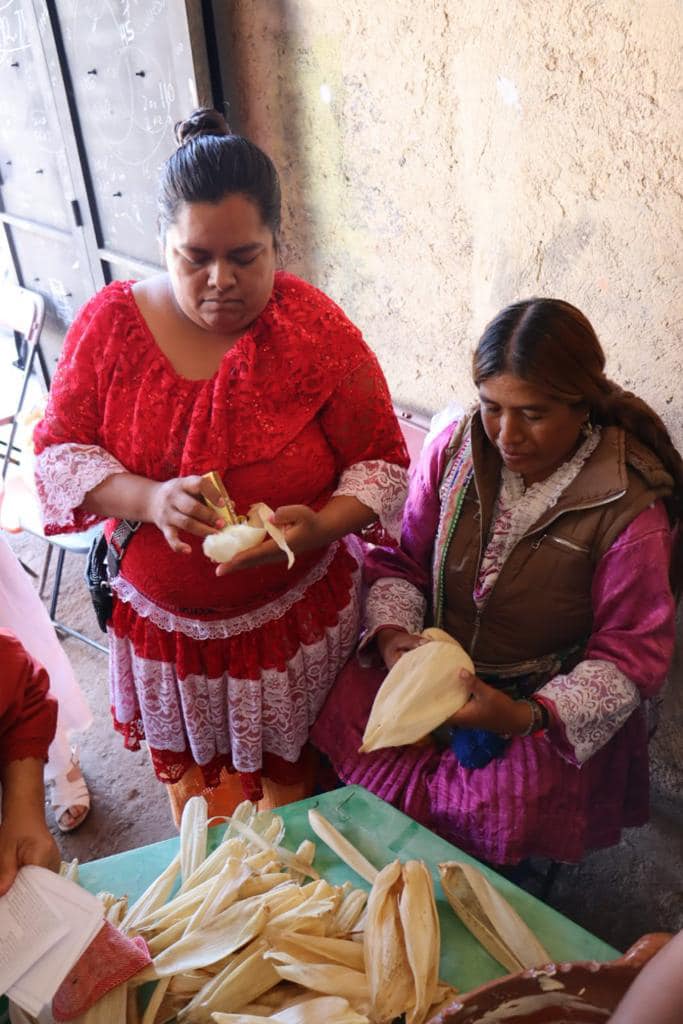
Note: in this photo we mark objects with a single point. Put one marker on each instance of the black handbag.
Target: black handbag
(103, 565)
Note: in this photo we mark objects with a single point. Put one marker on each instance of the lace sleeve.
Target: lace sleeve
(64, 475)
(393, 602)
(382, 486)
(590, 704)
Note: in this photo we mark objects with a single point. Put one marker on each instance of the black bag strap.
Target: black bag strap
(118, 543)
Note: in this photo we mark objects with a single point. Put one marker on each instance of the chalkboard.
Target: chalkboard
(133, 77)
(31, 150)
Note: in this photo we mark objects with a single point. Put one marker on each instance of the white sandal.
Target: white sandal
(67, 794)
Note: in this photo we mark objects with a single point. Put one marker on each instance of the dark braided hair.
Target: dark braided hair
(553, 346)
(211, 163)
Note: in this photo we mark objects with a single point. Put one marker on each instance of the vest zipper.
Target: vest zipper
(563, 542)
(475, 632)
(576, 508)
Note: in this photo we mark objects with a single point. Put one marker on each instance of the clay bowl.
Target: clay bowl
(590, 991)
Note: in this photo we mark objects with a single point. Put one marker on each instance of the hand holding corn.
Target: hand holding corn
(176, 505)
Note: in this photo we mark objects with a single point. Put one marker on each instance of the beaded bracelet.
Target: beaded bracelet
(539, 717)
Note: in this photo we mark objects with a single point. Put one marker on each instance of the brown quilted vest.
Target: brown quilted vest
(541, 602)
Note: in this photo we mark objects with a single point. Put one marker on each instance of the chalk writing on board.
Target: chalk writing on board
(13, 36)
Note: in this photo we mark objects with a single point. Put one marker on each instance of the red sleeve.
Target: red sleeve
(28, 715)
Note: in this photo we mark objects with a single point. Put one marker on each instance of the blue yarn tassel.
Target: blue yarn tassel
(474, 748)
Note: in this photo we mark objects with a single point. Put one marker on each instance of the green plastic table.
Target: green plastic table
(382, 834)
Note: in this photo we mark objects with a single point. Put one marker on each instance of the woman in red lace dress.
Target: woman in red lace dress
(222, 364)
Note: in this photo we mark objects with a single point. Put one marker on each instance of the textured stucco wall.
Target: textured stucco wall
(441, 159)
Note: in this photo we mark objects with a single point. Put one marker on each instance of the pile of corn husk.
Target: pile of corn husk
(254, 933)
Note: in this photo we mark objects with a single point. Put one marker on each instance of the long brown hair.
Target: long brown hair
(553, 346)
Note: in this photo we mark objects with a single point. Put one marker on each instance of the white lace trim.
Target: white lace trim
(593, 701)
(393, 602)
(222, 629)
(516, 510)
(64, 475)
(382, 486)
(243, 718)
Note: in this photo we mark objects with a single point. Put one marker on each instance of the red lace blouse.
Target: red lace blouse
(298, 401)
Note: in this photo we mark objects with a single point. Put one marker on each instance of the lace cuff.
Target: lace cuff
(591, 702)
(392, 602)
(64, 475)
(382, 486)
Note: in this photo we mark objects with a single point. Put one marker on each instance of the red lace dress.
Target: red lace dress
(231, 671)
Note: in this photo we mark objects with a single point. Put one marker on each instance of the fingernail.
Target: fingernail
(464, 674)
(220, 523)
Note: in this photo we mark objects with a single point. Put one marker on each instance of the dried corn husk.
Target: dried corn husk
(317, 949)
(329, 979)
(422, 935)
(330, 1009)
(306, 852)
(223, 891)
(240, 533)
(386, 960)
(69, 870)
(290, 859)
(232, 847)
(193, 835)
(347, 915)
(153, 897)
(246, 983)
(246, 936)
(260, 514)
(421, 691)
(155, 1002)
(345, 850)
(226, 933)
(490, 918)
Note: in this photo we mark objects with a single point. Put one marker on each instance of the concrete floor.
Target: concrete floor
(618, 894)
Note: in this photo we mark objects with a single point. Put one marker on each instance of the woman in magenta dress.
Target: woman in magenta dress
(538, 533)
(223, 364)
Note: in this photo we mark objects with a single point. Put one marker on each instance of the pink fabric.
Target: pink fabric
(532, 801)
(110, 959)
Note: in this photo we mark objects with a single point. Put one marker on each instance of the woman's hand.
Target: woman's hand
(491, 709)
(393, 643)
(175, 505)
(24, 836)
(303, 528)
(25, 839)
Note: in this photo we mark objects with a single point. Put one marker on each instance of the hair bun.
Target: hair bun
(204, 121)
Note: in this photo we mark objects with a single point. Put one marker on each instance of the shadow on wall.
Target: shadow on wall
(267, 107)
